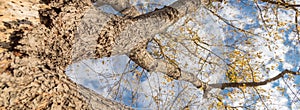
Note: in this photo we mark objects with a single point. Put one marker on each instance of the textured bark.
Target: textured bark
(145, 60)
(107, 35)
(36, 45)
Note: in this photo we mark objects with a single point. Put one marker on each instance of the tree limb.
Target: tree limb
(253, 84)
(283, 4)
(146, 61)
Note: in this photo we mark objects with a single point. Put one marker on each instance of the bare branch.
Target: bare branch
(283, 4)
(230, 24)
(253, 84)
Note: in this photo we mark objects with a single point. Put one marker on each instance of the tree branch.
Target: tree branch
(146, 61)
(287, 5)
(253, 84)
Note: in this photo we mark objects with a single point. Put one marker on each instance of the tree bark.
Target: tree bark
(36, 41)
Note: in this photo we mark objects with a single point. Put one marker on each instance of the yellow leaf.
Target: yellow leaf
(277, 37)
(169, 79)
(190, 30)
(219, 104)
(237, 52)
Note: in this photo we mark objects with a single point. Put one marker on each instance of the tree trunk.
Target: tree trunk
(36, 41)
